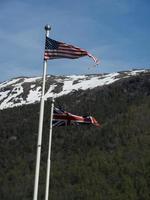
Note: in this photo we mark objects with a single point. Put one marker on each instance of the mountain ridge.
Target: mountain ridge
(27, 90)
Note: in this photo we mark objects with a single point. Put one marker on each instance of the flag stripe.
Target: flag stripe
(65, 53)
(61, 55)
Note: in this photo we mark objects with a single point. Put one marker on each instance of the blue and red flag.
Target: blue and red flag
(63, 118)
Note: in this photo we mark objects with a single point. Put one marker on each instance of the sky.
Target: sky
(117, 32)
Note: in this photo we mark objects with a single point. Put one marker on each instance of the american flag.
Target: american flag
(63, 118)
(55, 49)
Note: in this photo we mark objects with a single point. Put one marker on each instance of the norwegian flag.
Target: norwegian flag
(63, 118)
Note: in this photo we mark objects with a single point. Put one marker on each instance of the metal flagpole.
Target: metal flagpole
(49, 151)
(37, 170)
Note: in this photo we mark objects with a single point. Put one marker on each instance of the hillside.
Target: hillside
(27, 90)
(88, 163)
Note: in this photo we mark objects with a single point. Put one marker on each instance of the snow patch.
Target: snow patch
(34, 95)
(7, 83)
(3, 95)
(30, 80)
(12, 92)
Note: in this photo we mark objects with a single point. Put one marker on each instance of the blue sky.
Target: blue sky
(115, 31)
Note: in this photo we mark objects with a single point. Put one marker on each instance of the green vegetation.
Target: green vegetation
(88, 163)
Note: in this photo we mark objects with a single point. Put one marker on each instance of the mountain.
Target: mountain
(23, 90)
(111, 162)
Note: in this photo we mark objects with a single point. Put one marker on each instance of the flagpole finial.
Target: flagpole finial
(47, 27)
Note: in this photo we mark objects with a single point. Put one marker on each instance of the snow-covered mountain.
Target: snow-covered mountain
(25, 90)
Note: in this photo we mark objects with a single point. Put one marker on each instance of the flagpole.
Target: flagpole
(49, 151)
(38, 158)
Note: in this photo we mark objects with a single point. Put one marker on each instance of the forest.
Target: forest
(88, 163)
